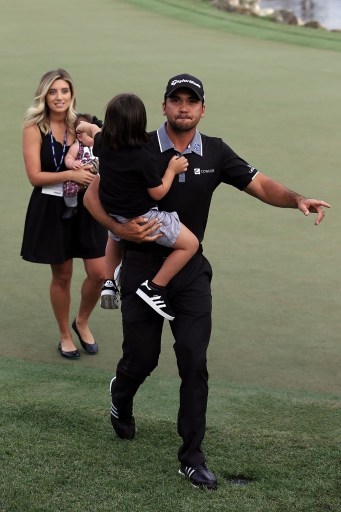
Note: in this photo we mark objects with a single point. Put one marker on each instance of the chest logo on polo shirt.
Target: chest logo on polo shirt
(197, 170)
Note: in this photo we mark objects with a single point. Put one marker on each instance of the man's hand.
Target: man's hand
(138, 230)
(307, 206)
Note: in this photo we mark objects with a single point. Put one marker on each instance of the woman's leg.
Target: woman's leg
(60, 301)
(90, 293)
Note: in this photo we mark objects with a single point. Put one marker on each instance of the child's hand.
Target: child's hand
(77, 164)
(87, 128)
(178, 164)
(83, 127)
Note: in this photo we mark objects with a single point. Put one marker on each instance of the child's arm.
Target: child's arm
(88, 128)
(71, 161)
(176, 165)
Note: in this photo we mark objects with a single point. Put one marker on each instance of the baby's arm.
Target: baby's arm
(176, 165)
(88, 128)
(71, 161)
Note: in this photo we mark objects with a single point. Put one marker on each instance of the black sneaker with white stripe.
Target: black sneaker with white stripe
(156, 298)
(123, 422)
(109, 295)
(199, 476)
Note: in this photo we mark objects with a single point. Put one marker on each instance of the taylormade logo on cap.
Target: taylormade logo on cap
(186, 81)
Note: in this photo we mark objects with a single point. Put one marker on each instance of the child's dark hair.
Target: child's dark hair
(125, 122)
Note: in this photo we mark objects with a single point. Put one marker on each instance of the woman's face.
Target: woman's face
(58, 98)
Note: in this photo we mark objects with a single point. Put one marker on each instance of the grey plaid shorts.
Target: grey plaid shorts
(170, 228)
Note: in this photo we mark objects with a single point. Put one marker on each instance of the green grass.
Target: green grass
(59, 453)
(202, 14)
(273, 94)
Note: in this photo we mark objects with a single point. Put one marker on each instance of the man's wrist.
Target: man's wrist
(299, 199)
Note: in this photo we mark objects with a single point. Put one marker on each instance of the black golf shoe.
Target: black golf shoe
(199, 476)
(123, 422)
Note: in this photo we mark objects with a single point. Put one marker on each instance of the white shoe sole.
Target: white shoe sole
(145, 297)
(117, 275)
(111, 383)
(109, 300)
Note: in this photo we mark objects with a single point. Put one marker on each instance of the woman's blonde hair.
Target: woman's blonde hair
(38, 113)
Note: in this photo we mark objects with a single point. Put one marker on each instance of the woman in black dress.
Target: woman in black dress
(48, 238)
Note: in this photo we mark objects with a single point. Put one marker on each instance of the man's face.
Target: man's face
(183, 110)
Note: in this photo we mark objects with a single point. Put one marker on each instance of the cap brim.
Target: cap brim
(198, 95)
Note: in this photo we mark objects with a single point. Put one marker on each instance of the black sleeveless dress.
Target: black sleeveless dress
(48, 238)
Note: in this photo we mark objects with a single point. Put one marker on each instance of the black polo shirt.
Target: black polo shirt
(211, 162)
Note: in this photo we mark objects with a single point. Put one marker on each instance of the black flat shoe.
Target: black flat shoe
(73, 354)
(90, 348)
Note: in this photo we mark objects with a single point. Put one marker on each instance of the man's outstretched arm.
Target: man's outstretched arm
(274, 193)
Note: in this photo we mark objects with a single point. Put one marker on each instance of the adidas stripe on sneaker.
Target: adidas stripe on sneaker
(156, 299)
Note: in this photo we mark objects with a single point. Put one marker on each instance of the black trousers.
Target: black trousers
(190, 297)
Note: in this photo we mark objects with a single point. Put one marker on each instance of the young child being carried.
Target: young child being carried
(130, 185)
(79, 155)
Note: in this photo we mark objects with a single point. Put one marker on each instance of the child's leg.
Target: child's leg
(185, 247)
(70, 192)
(113, 256)
(153, 292)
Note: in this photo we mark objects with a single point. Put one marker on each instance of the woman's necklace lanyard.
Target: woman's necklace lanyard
(54, 152)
